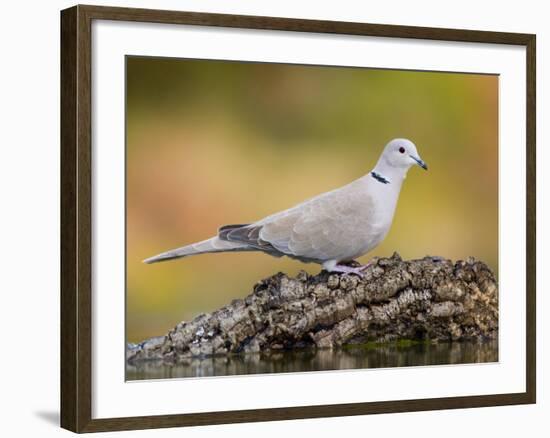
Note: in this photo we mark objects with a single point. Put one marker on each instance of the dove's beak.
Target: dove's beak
(419, 162)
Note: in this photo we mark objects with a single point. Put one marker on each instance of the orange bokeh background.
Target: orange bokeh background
(212, 143)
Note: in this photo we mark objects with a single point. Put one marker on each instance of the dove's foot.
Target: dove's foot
(357, 270)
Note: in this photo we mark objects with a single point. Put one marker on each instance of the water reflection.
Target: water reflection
(351, 357)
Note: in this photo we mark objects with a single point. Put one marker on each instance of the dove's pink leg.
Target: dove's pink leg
(357, 270)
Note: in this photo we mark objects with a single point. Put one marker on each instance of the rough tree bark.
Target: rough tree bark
(431, 298)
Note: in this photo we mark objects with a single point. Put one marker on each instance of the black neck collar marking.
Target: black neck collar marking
(379, 178)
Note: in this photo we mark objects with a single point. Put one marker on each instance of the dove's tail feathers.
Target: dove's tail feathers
(214, 244)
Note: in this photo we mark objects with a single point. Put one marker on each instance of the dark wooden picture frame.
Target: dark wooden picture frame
(76, 218)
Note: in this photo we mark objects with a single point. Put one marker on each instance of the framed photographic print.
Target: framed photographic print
(269, 218)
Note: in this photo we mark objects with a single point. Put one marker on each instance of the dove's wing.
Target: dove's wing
(337, 225)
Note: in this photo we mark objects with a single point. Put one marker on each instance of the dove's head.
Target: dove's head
(402, 153)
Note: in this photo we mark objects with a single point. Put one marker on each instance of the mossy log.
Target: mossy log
(430, 299)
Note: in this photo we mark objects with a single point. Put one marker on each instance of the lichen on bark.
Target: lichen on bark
(430, 299)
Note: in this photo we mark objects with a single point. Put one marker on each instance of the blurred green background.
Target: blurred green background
(212, 143)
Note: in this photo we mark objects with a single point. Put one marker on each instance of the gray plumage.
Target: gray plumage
(332, 228)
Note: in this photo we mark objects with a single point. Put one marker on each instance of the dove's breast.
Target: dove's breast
(376, 208)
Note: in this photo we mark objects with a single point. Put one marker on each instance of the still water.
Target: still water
(351, 357)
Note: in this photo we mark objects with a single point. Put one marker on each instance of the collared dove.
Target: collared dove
(330, 229)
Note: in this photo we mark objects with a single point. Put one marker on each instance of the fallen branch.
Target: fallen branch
(431, 298)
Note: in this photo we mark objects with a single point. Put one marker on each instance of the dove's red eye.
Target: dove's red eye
(402, 149)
